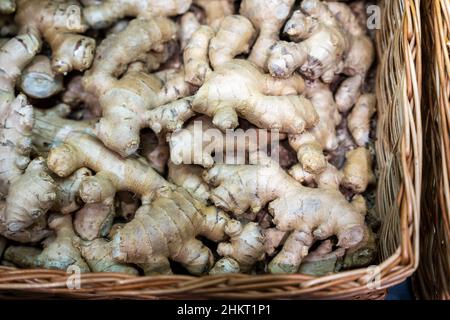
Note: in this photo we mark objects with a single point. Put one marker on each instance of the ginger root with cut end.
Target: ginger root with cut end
(246, 244)
(241, 88)
(189, 177)
(98, 255)
(58, 22)
(7, 6)
(357, 171)
(323, 260)
(38, 79)
(359, 118)
(94, 220)
(268, 17)
(128, 104)
(61, 252)
(310, 214)
(22, 256)
(215, 10)
(207, 46)
(107, 12)
(225, 266)
(322, 44)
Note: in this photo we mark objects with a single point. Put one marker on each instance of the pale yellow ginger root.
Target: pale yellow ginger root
(165, 228)
(241, 88)
(39, 80)
(29, 198)
(128, 103)
(61, 252)
(246, 244)
(215, 10)
(234, 36)
(189, 177)
(225, 266)
(107, 12)
(94, 220)
(188, 25)
(75, 95)
(319, 48)
(156, 150)
(7, 6)
(329, 178)
(22, 256)
(359, 118)
(310, 214)
(98, 255)
(348, 92)
(357, 171)
(59, 24)
(268, 17)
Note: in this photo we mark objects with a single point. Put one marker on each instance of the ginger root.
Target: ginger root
(359, 118)
(58, 22)
(309, 214)
(215, 10)
(189, 177)
(7, 6)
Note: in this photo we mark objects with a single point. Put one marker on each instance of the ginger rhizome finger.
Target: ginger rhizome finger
(309, 214)
(127, 103)
(319, 48)
(98, 255)
(188, 25)
(189, 177)
(310, 145)
(215, 10)
(268, 17)
(212, 47)
(94, 220)
(39, 80)
(167, 225)
(241, 88)
(107, 12)
(359, 119)
(59, 23)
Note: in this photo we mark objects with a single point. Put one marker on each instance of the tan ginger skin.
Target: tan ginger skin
(164, 228)
(255, 96)
(215, 10)
(107, 12)
(58, 23)
(309, 214)
(128, 103)
(311, 144)
(359, 118)
(188, 25)
(212, 47)
(189, 177)
(268, 17)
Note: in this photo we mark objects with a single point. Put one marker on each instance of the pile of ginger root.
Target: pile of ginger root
(116, 119)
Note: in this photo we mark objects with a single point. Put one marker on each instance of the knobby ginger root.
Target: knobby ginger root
(323, 260)
(107, 12)
(94, 220)
(62, 252)
(75, 95)
(22, 256)
(215, 10)
(188, 25)
(224, 266)
(208, 47)
(38, 79)
(311, 144)
(241, 88)
(163, 228)
(125, 101)
(268, 17)
(359, 118)
(319, 48)
(98, 255)
(58, 22)
(310, 214)
(156, 150)
(189, 177)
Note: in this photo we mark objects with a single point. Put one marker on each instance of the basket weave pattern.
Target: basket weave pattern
(399, 152)
(433, 277)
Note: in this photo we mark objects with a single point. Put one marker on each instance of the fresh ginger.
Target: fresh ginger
(94, 220)
(75, 95)
(240, 88)
(209, 47)
(188, 25)
(107, 12)
(156, 150)
(38, 79)
(22, 256)
(215, 10)
(189, 177)
(268, 17)
(359, 118)
(125, 101)
(324, 212)
(58, 22)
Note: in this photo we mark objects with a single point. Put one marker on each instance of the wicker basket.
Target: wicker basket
(433, 277)
(399, 151)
